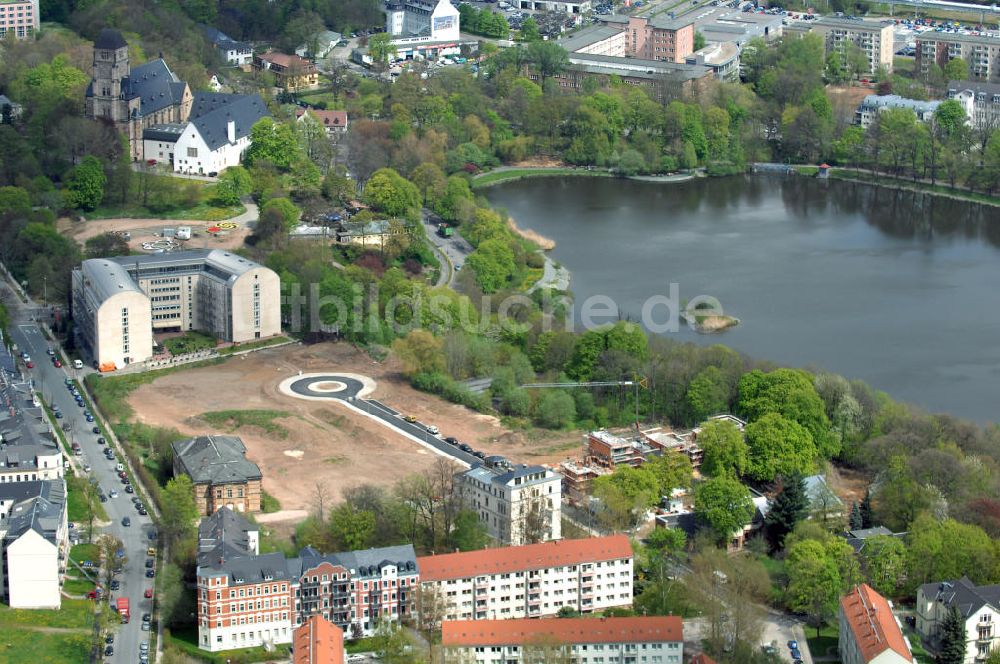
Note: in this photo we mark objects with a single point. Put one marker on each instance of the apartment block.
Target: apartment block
(19, 17)
(980, 52)
(518, 504)
(869, 632)
(873, 38)
(33, 546)
(119, 302)
(531, 581)
(318, 641)
(982, 101)
(651, 640)
(29, 450)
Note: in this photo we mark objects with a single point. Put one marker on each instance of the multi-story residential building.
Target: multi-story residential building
(981, 52)
(230, 50)
(658, 39)
(611, 451)
(978, 606)
(356, 589)
(318, 641)
(330, 121)
(118, 302)
(875, 39)
(530, 581)
(654, 640)
(19, 17)
(29, 450)
(221, 474)
(290, 71)
(869, 632)
(518, 504)
(33, 547)
(983, 100)
(873, 105)
(226, 534)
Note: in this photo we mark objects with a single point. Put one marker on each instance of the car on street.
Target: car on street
(433, 430)
(58, 414)
(109, 651)
(114, 584)
(29, 364)
(109, 639)
(451, 440)
(126, 522)
(145, 626)
(150, 573)
(95, 430)
(796, 654)
(86, 469)
(49, 351)
(149, 563)
(128, 487)
(409, 418)
(465, 448)
(114, 493)
(100, 440)
(89, 417)
(56, 363)
(148, 594)
(793, 645)
(103, 498)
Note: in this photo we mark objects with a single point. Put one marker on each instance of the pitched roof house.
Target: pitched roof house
(869, 632)
(220, 471)
(332, 121)
(978, 606)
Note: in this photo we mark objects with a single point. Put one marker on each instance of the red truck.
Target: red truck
(122, 605)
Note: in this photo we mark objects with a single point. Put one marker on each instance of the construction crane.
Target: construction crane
(640, 381)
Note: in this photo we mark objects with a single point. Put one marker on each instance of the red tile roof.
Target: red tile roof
(325, 118)
(285, 60)
(561, 630)
(874, 627)
(522, 558)
(318, 641)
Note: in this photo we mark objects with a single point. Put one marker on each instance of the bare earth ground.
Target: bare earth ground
(845, 99)
(325, 442)
(142, 230)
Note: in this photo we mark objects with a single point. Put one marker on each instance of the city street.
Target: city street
(50, 384)
(456, 249)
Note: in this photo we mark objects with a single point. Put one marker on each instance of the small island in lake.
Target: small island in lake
(707, 318)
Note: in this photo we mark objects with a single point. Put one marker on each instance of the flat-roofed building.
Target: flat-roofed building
(981, 52)
(653, 640)
(875, 39)
(119, 302)
(19, 18)
(531, 581)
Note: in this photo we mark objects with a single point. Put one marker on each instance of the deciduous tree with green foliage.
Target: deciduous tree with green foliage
(791, 393)
(884, 560)
(726, 451)
(389, 192)
(274, 143)
(420, 351)
(814, 583)
(178, 510)
(287, 209)
(724, 504)
(234, 183)
(85, 184)
(351, 529)
(778, 446)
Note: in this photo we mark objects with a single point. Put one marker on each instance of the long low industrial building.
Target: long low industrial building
(120, 302)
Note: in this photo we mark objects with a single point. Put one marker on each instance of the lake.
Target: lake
(896, 288)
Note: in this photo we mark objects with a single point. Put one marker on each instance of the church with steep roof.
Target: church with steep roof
(134, 98)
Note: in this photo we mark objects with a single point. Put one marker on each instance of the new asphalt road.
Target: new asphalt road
(50, 384)
(319, 387)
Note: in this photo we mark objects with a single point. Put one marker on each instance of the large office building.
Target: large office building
(531, 581)
(19, 17)
(658, 39)
(652, 640)
(118, 303)
(422, 20)
(981, 52)
(518, 504)
(875, 39)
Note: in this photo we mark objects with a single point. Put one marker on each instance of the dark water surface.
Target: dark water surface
(896, 288)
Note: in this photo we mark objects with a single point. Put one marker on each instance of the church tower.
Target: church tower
(105, 98)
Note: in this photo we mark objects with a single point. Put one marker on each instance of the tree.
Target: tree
(493, 263)
(106, 245)
(947, 549)
(956, 69)
(672, 470)
(85, 184)
(791, 393)
(420, 352)
(287, 210)
(952, 639)
(273, 142)
(699, 41)
(170, 595)
(724, 504)
(790, 506)
(726, 451)
(110, 546)
(387, 191)
(469, 533)
(234, 183)
(884, 562)
(178, 510)
(855, 520)
(548, 57)
(866, 509)
(529, 30)
(814, 583)
(778, 446)
(555, 409)
(625, 494)
(381, 48)
(351, 529)
(667, 540)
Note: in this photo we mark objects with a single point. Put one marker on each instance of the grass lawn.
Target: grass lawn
(181, 199)
(359, 645)
(253, 345)
(77, 586)
(312, 99)
(825, 643)
(77, 499)
(236, 419)
(23, 645)
(82, 552)
(186, 640)
(493, 177)
(204, 211)
(191, 342)
(74, 613)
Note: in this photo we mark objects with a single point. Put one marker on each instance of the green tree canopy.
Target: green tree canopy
(389, 192)
(234, 183)
(287, 209)
(791, 393)
(274, 143)
(85, 184)
(724, 504)
(726, 451)
(778, 446)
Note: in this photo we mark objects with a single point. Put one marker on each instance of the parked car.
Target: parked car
(150, 573)
(409, 418)
(113, 494)
(451, 440)
(148, 594)
(56, 363)
(109, 651)
(96, 430)
(433, 430)
(126, 522)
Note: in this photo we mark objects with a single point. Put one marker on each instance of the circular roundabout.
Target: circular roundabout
(321, 386)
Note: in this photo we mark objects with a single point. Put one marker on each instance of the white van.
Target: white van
(77, 364)
(119, 467)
